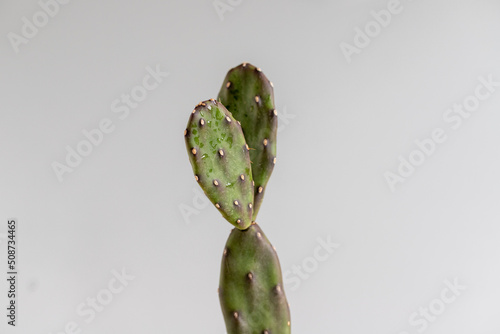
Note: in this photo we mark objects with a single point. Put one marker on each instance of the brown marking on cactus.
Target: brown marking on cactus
(194, 110)
(238, 221)
(228, 84)
(278, 288)
(259, 235)
(274, 161)
(212, 100)
(250, 276)
(275, 112)
(235, 315)
(225, 251)
(265, 332)
(185, 132)
(244, 64)
(265, 142)
(217, 205)
(257, 98)
(193, 151)
(196, 178)
(258, 69)
(260, 190)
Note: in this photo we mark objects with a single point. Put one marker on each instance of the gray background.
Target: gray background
(342, 126)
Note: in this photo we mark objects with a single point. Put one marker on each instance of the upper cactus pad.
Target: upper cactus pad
(248, 95)
(220, 159)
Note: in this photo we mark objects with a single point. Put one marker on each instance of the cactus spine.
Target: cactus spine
(231, 145)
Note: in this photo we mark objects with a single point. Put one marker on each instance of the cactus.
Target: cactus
(248, 95)
(232, 163)
(220, 159)
(251, 287)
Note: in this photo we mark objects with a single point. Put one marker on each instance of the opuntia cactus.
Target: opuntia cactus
(248, 95)
(251, 286)
(220, 159)
(231, 145)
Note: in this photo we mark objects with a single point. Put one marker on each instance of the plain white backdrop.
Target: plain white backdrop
(120, 242)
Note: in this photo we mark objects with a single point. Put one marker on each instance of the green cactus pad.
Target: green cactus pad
(248, 95)
(220, 159)
(251, 287)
